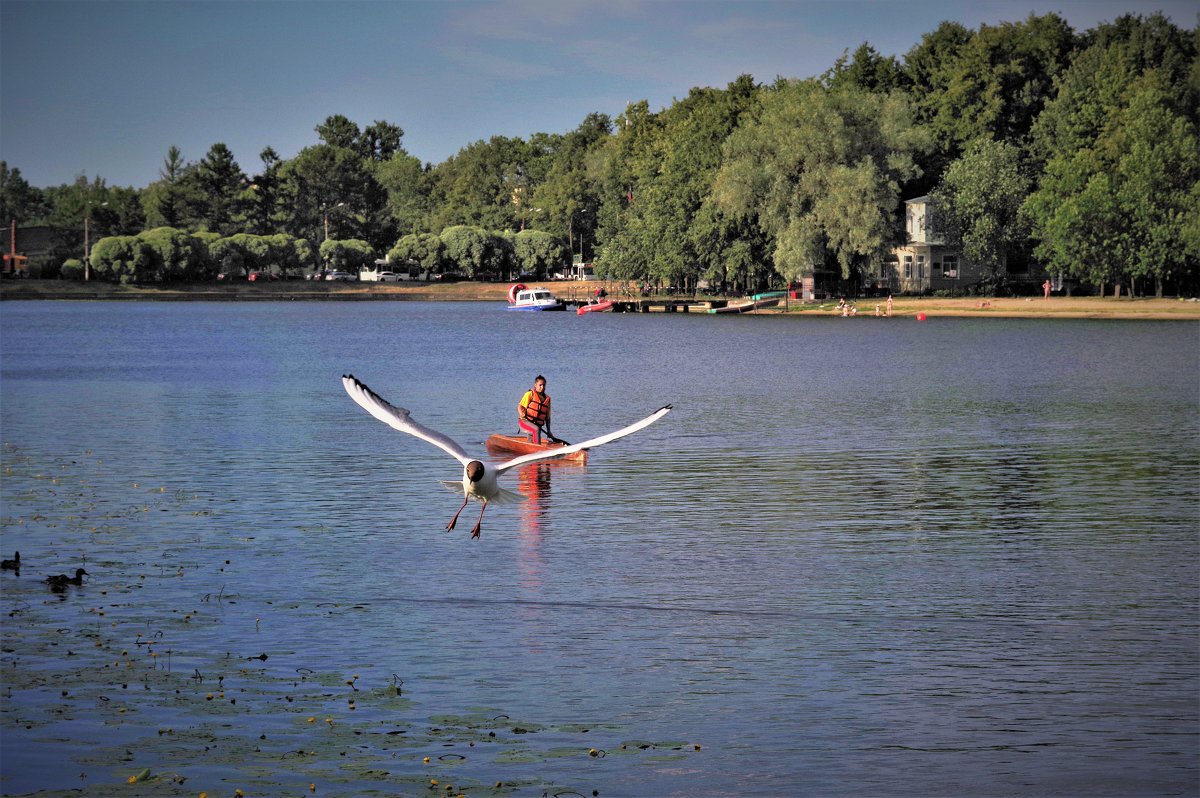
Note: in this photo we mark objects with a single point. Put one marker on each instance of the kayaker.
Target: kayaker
(533, 412)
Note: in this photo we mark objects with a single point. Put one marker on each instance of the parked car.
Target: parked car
(388, 277)
(262, 277)
(342, 277)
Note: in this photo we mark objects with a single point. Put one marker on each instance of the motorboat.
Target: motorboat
(596, 307)
(522, 298)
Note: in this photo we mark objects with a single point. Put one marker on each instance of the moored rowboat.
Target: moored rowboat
(519, 444)
(595, 307)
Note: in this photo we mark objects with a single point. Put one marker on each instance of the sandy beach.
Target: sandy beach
(1088, 307)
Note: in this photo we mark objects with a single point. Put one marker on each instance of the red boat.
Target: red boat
(597, 307)
(520, 444)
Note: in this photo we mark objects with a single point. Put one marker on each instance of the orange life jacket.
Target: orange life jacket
(537, 406)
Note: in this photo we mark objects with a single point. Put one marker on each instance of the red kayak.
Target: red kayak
(596, 307)
(520, 444)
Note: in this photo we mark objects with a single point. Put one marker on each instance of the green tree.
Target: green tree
(673, 170)
(176, 256)
(467, 247)
(380, 142)
(260, 207)
(229, 257)
(630, 162)
(123, 259)
(348, 255)
(977, 206)
(168, 201)
(820, 172)
(867, 70)
(990, 84)
(538, 253)
(220, 187)
(420, 253)
(80, 213)
(18, 200)
(338, 131)
(406, 184)
(483, 185)
(1117, 196)
(334, 183)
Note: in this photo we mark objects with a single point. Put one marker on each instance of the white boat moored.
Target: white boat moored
(522, 298)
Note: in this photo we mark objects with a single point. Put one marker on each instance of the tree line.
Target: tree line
(1077, 152)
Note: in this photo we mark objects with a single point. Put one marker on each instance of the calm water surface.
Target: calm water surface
(861, 557)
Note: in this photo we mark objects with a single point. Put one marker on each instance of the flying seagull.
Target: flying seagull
(479, 478)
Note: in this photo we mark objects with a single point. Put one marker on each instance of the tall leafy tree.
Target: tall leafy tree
(220, 191)
(538, 253)
(484, 185)
(977, 206)
(425, 250)
(407, 185)
(169, 200)
(820, 171)
(868, 70)
(328, 184)
(990, 84)
(467, 247)
(1117, 198)
(380, 141)
(338, 131)
(629, 162)
(19, 201)
(261, 211)
(566, 201)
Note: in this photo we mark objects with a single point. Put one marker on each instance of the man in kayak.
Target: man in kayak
(533, 413)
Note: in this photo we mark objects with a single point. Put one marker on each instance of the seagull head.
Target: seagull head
(474, 470)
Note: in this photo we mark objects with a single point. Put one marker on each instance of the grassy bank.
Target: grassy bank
(1055, 307)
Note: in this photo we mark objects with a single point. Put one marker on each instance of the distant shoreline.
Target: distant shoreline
(904, 306)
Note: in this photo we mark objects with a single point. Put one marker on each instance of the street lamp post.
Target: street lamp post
(325, 212)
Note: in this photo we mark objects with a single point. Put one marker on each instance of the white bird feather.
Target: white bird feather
(479, 478)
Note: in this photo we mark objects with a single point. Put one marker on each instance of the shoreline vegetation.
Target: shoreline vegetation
(1092, 307)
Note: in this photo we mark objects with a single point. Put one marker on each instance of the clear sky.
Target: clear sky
(104, 87)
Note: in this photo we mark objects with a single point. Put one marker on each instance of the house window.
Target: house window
(920, 267)
(908, 267)
(950, 266)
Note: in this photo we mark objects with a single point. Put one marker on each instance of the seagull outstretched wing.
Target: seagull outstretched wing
(398, 418)
(588, 444)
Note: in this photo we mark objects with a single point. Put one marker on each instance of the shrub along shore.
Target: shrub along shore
(904, 306)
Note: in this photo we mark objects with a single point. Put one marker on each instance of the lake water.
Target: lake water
(860, 557)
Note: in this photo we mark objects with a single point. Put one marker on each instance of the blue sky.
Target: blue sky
(104, 87)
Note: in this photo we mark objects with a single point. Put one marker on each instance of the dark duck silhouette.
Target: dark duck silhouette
(12, 565)
(60, 581)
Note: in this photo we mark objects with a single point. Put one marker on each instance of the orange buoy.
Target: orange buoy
(921, 316)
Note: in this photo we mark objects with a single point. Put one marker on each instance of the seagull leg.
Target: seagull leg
(454, 520)
(475, 531)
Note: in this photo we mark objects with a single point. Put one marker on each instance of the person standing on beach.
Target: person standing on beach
(889, 306)
(533, 412)
(1046, 289)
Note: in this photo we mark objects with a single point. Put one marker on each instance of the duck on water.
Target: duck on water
(61, 581)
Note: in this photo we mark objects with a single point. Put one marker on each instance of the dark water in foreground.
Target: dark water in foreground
(861, 557)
